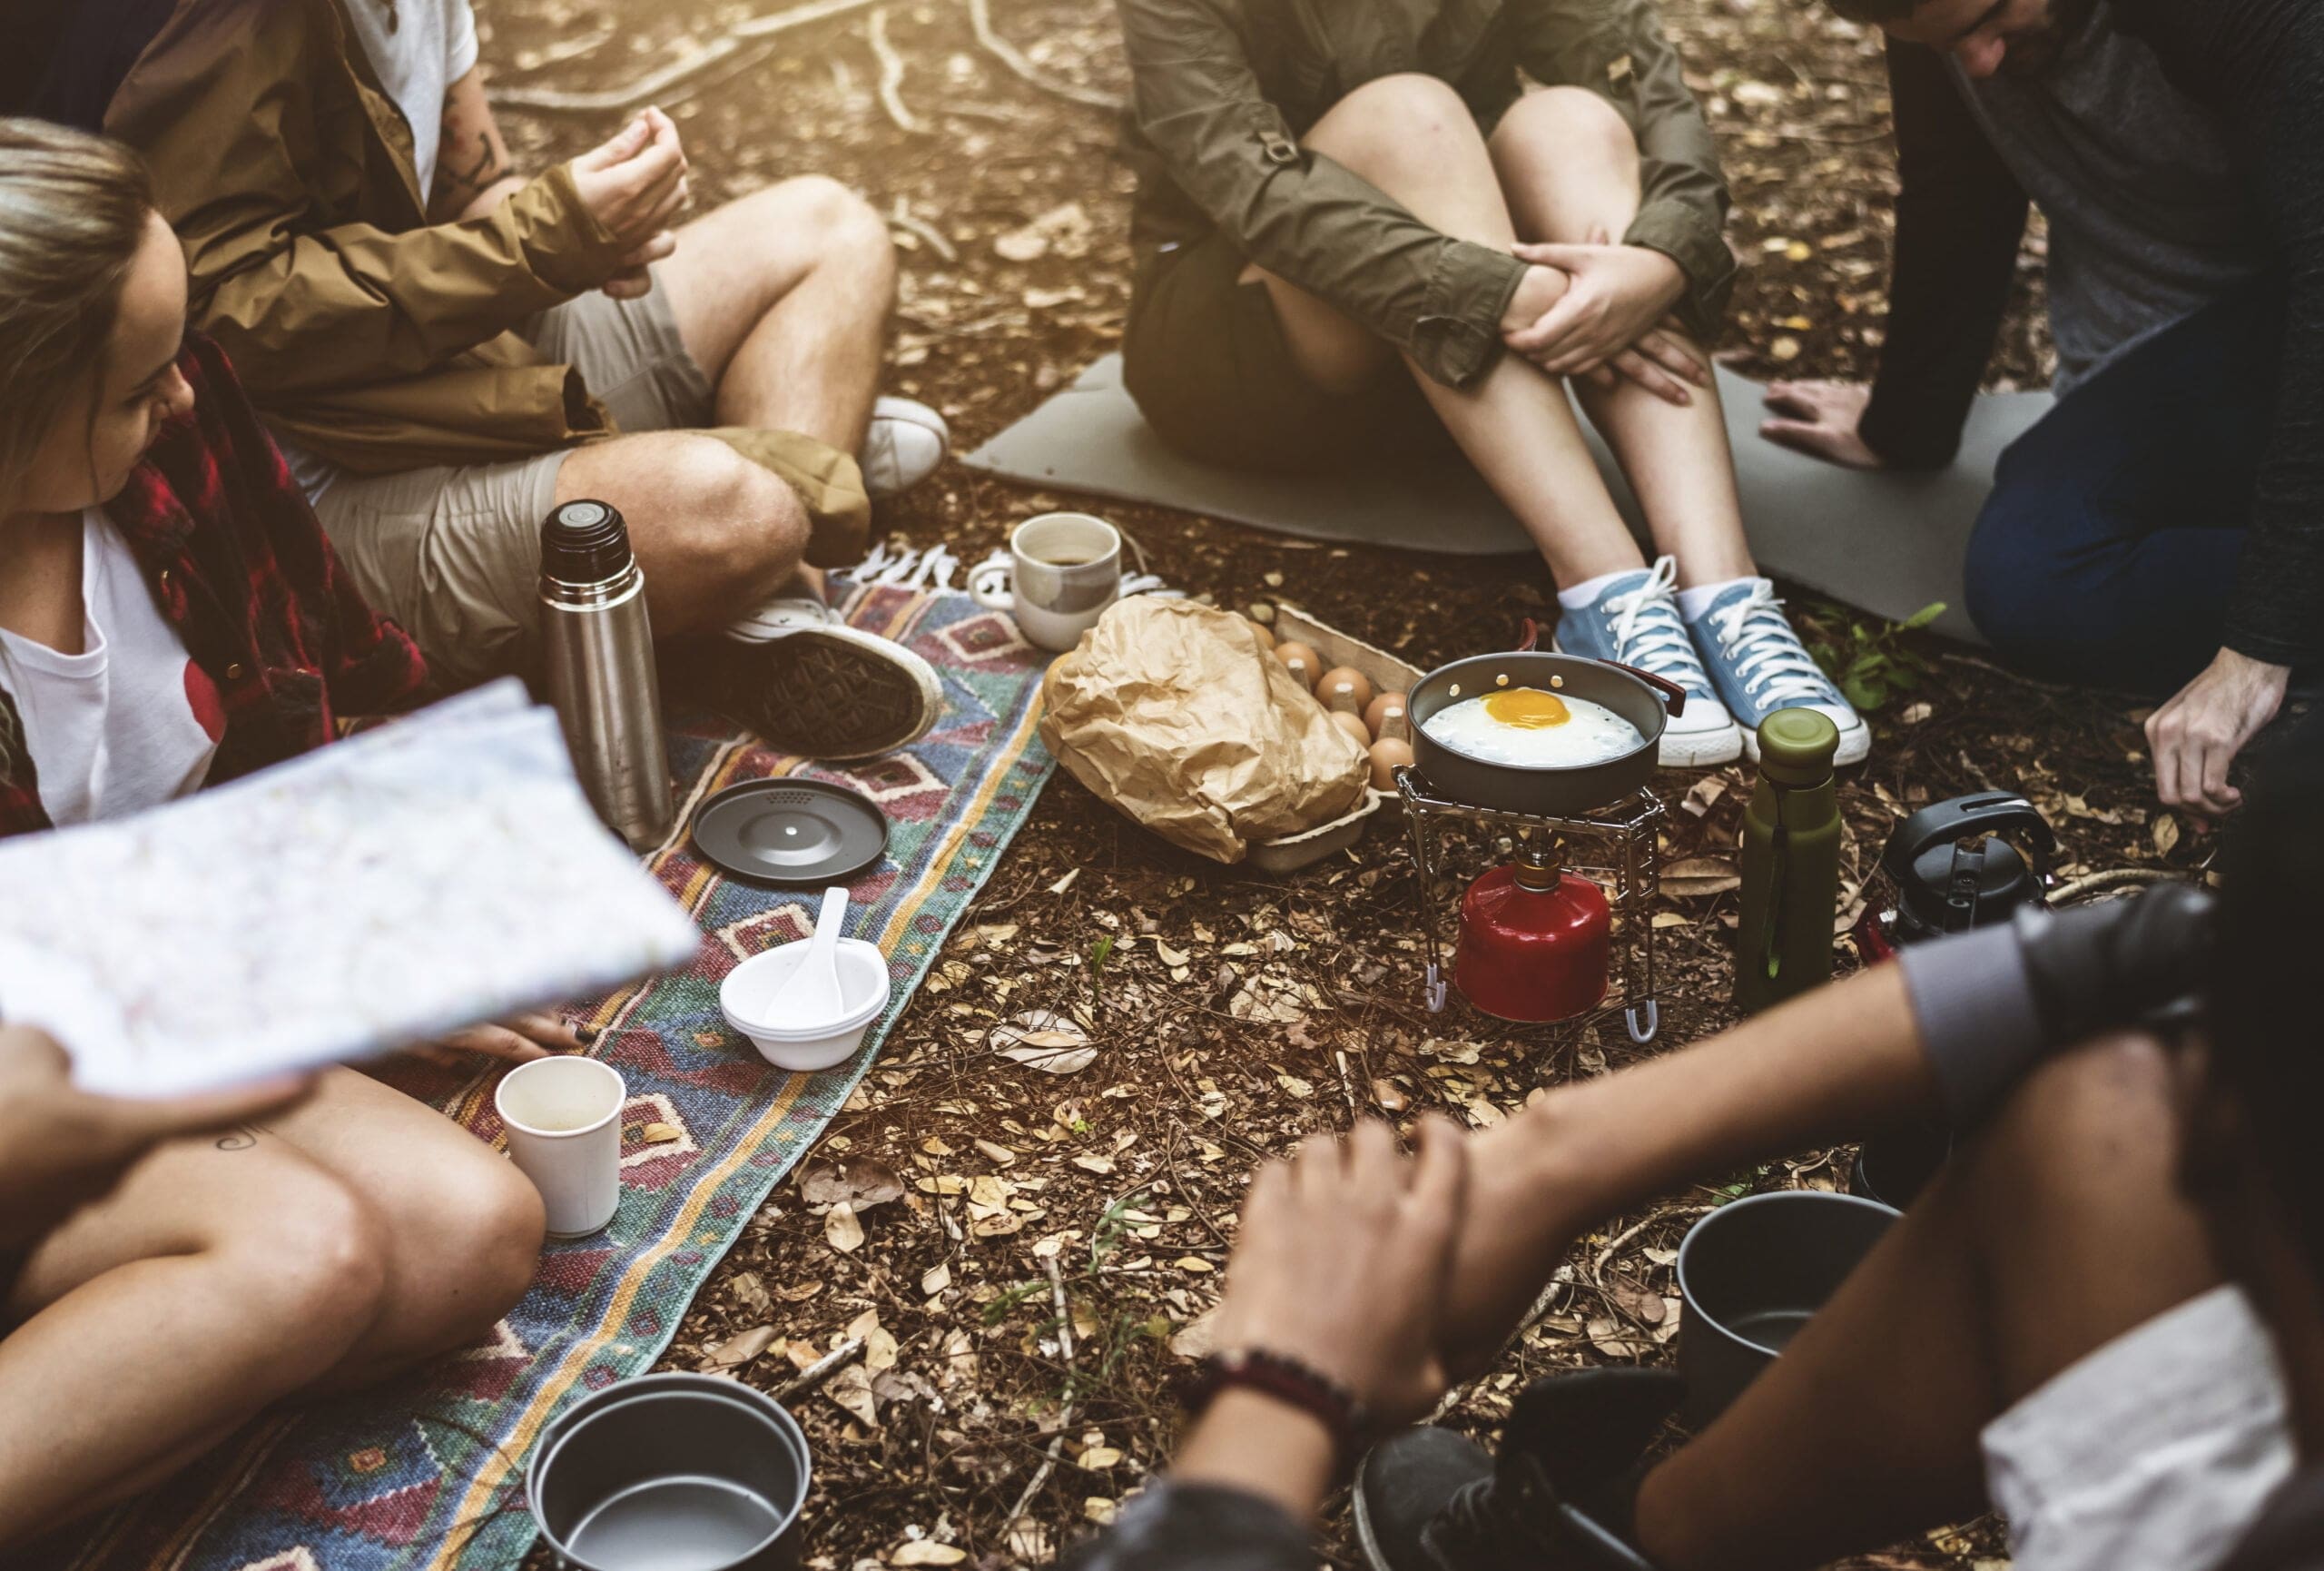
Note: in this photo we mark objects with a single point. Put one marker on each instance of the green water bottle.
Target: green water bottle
(1791, 862)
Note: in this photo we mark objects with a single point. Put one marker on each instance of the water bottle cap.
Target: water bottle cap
(1796, 747)
(585, 542)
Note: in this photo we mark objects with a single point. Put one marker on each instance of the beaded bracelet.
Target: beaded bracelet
(1287, 1380)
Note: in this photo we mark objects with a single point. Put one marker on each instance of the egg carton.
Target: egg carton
(1386, 672)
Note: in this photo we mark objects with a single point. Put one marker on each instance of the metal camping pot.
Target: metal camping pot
(1751, 1273)
(672, 1470)
(1645, 700)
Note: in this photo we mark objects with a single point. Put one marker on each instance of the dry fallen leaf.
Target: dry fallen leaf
(738, 1349)
(1698, 876)
(1000, 1155)
(661, 1133)
(861, 1182)
(936, 1278)
(851, 1389)
(844, 1231)
(1198, 1338)
(1051, 1042)
(927, 1552)
(2166, 833)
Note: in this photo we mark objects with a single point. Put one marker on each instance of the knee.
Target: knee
(741, 524)
(1572, 124)
(2095, 1122)
(316, 1259)
(848, 229)
(1404, 121)
(2015, 587)
(485, 1220)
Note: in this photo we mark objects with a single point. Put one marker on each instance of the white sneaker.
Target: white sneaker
(906, 442)
(799, 675)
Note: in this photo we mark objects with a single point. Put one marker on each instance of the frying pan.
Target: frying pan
(1552, 791)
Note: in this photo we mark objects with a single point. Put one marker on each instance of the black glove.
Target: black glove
(2094, 967)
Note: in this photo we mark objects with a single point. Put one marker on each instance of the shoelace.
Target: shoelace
(1648, 633)
(1773, 666)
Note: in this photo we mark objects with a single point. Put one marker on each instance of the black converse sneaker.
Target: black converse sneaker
(1557, 1499)
(824, 690)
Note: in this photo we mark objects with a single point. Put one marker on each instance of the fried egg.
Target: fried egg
(1532, 729)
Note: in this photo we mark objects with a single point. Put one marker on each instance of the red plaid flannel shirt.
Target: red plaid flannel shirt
(238, 566)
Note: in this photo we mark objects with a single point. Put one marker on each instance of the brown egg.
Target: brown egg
(1376, 713)
(1265, 633)
(1345, 687)
(1353, 726)
(1386, 754)
(1301, 659)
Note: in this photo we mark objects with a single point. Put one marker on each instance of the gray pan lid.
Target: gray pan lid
(791, 832)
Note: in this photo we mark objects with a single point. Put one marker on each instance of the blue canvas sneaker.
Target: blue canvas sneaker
(1760, 666)
(1635, 621)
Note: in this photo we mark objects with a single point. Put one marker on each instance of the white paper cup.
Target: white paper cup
(1064, 570)
(563, 1119)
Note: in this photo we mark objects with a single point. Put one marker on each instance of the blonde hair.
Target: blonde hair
(74, 210)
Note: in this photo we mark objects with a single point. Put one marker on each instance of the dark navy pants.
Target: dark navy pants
(2107, 554)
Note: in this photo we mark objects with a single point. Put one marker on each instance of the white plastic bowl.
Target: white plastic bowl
(749, 990)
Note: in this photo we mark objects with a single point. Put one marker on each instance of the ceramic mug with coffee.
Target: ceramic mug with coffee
(1063, 570)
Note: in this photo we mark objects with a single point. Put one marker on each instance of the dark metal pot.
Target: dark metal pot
(672, 1473)
(1645, 700)
(1751, 1273)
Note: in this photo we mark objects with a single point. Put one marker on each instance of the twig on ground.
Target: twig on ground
(901, 216)
(658, 85)
(2112, 878)
(1598, 1265)
(892, 75)
(981, 19)
(822, 1370)
(1065, 1420)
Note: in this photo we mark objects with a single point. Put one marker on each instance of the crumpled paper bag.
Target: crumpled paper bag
(1178, 714)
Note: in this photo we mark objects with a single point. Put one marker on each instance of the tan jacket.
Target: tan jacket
(363, 332)
(1223, 89)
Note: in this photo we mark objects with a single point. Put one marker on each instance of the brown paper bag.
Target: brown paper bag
(1175, 714)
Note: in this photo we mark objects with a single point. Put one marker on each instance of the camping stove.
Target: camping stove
(1453, 842)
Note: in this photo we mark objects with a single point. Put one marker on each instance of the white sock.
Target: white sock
(1694, 602)
(1584, 595)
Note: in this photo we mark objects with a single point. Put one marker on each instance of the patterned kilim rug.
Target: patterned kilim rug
(428, 1473)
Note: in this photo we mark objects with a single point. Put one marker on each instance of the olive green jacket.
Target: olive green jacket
(1223, 89)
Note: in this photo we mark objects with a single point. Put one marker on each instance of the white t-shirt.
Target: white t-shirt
(128, 723)
(418, 49)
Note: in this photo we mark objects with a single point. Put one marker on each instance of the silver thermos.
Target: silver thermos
(601, 677)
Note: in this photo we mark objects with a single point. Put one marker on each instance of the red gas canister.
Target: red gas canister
(1533, 940)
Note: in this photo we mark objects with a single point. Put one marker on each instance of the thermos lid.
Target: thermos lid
(585, 542)
(1796, 747)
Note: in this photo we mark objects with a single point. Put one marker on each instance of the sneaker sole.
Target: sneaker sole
(1855, 746)
(833, 694)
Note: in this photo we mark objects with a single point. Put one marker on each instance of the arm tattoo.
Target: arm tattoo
(489, 165)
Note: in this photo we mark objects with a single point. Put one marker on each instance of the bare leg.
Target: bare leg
(714, 533)
(2060, 1229)
(1569, 169)
(274, 1271)
(460, 1227)
(783, 297)
(1413, 138)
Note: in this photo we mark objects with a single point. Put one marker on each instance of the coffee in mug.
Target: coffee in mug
(1063, 570)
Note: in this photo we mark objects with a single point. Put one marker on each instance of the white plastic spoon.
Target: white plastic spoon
(813, 991)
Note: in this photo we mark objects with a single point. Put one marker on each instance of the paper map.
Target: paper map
(389, 889)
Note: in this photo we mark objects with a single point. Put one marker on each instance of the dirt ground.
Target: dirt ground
(1229, 1013)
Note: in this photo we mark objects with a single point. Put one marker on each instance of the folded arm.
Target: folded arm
(1299, 214)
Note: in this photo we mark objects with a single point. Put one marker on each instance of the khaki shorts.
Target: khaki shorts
(1204, 357)
(453, 552)
(2155, 1453)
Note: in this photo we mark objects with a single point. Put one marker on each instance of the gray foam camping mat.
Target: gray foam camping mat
(1889, 544)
